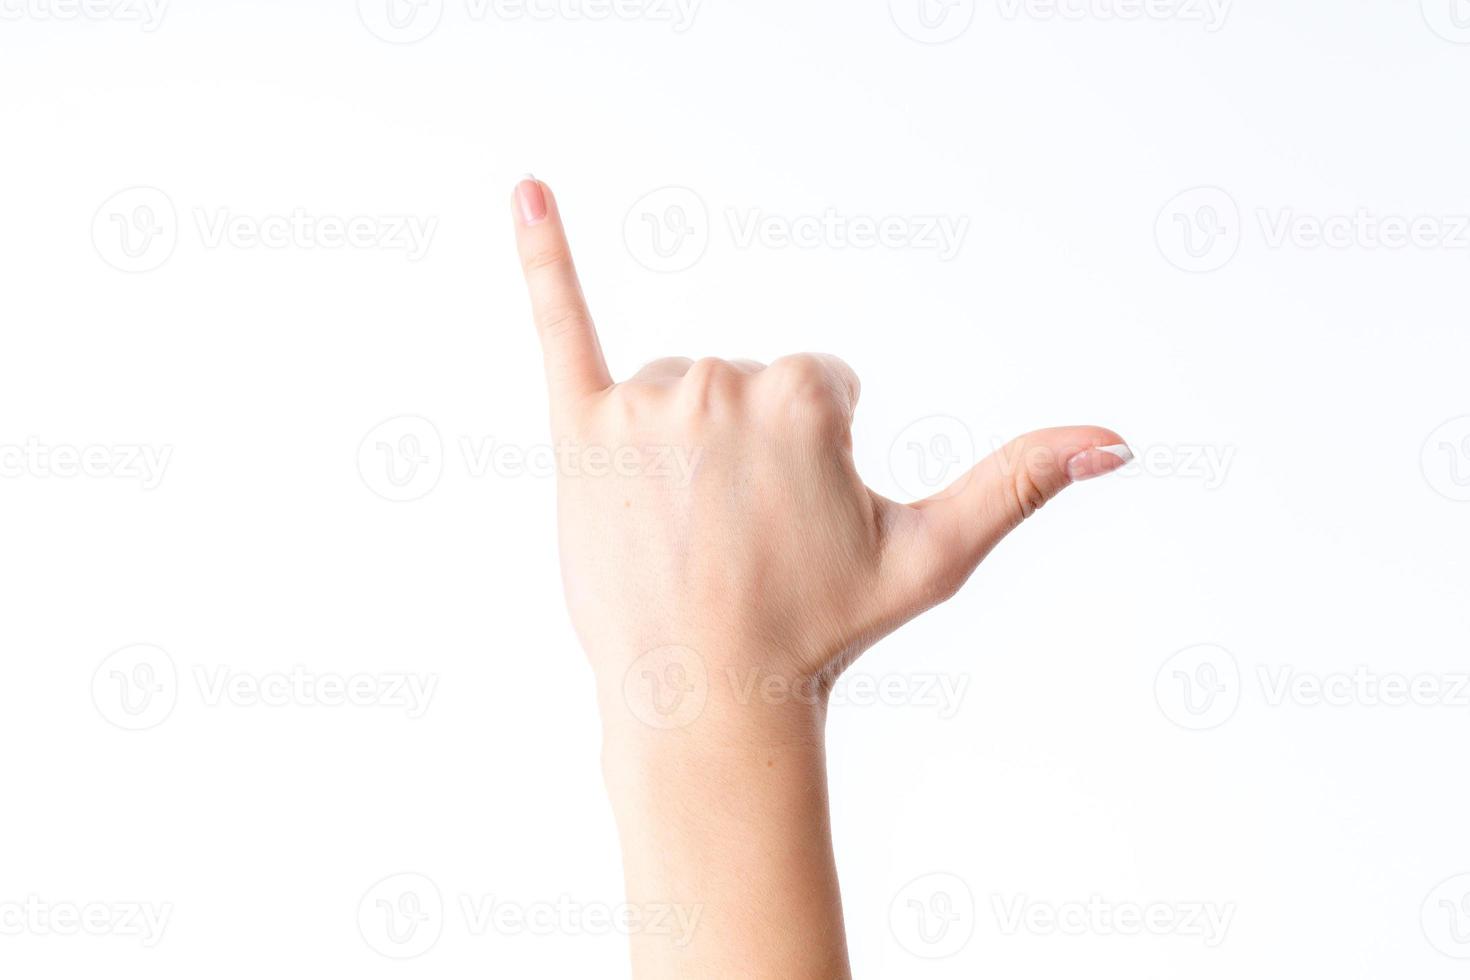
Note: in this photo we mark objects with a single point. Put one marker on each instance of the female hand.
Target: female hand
(723, 562)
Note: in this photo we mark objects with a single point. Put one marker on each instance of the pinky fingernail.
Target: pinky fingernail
(531, 199)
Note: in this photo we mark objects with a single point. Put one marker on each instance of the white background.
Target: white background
(1329, 536)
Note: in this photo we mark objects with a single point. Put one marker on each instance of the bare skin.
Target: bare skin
(723, 563)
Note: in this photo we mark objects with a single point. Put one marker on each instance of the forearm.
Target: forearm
(726, 835)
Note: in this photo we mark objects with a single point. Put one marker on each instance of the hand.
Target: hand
(737, 528)
(718, 545)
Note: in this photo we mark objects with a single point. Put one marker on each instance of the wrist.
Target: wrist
(675, 699)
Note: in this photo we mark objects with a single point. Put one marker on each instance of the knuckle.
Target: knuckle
(852, 385)
(819, 387)
(800, 381)
(797, 370)
(708, 372)
(708, 382)
(838, 367)
(806, 394)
